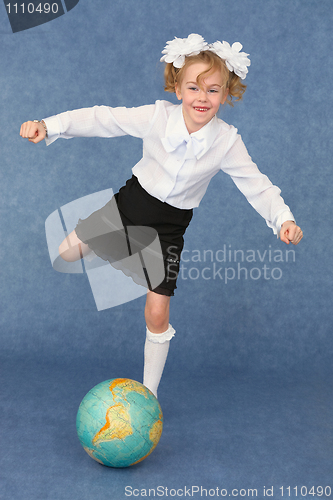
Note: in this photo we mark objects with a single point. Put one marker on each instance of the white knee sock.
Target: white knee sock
(155, 354)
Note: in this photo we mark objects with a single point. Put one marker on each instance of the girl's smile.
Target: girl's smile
(200, 103)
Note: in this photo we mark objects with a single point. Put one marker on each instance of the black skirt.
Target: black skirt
(108, 230)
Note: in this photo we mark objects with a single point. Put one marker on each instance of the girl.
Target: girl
(184, 146)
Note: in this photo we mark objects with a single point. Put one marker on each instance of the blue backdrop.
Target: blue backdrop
(247, 389)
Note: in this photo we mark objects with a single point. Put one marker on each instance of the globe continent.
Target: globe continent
(119, 422)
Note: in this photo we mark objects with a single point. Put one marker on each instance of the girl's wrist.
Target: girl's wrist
(43, 125)
(288, 222)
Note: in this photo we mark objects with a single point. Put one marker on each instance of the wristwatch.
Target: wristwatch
(43, 124)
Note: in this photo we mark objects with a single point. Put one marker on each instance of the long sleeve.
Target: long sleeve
(100, 121)
(259, 191)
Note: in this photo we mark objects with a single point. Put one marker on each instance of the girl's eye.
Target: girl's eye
(193, 88)
(212, 91)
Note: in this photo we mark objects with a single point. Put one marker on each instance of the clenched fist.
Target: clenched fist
(33, 130)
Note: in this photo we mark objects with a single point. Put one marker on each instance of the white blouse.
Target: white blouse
(176, 166)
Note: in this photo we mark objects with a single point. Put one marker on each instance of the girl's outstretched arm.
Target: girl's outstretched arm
(34, 131)
(290, 232)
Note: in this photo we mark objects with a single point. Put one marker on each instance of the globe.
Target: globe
(119, 422)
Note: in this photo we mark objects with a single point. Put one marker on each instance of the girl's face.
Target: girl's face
(200, 104)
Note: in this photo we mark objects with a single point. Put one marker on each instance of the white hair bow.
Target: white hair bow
(176, 50)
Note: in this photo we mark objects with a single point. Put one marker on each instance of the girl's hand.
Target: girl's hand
(290, 232)
(34, 131)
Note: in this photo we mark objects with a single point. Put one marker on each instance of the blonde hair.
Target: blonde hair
(233, 83)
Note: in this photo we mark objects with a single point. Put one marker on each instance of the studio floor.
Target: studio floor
(225, 434)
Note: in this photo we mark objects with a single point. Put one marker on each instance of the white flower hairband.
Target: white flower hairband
(176, 50)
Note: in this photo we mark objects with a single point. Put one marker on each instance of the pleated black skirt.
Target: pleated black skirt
(107, 231)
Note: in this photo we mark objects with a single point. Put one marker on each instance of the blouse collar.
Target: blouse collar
(188, 146)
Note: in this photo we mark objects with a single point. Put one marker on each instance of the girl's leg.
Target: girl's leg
(159, 334)
(157, 312)
(72, 248)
